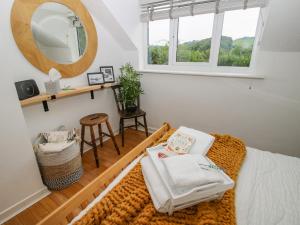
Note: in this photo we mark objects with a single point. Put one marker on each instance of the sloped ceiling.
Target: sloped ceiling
(127, 13)
(282, 29)
(101, 12)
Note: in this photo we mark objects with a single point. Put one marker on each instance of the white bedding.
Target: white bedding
(267, 190)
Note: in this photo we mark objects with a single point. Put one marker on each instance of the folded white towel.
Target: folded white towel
(164, 197)
(55, 147)
(177, 183)
(58, 136)
(190, 171)
(158, 192)
(203, 141)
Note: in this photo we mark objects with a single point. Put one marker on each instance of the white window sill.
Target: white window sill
(207, 74)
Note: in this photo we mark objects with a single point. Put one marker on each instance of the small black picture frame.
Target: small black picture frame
(108, 73)
(95, 78)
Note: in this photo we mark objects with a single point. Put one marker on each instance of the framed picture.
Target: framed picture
(95, 78)
(108, 72)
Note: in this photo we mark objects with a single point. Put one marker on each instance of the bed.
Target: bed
(267, 190)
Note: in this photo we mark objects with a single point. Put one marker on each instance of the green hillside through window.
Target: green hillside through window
(158, 54)
(235, 52)
(194, 51)
(232, 52)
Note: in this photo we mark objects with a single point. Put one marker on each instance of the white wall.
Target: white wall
(282, 28)
(127, 14)
(102, 13)
(264, 113)
(68, 111)
(19, 174)
(127, 27)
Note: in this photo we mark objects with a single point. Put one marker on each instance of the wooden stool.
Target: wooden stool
(93, 120)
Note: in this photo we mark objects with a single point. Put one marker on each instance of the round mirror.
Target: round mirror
(58, 33)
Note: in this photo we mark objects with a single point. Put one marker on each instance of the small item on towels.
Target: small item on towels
(55, 147)
(190, 171)
(180, 143)
(202, 143)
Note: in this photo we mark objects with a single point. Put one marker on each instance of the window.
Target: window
(238, 37)
(194, 38)
(81, 38)
(212, 40)
(158, 42)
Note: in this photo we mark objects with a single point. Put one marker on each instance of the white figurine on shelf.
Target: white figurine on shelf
(53, 85)
(54, 75)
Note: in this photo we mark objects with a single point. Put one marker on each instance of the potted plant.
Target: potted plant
(130, 87)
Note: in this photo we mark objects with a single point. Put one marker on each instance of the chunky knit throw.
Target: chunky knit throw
(129, 202)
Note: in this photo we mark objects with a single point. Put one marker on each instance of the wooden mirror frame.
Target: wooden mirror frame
(21, 16)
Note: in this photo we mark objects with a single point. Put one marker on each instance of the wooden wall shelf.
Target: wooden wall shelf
(44, 98)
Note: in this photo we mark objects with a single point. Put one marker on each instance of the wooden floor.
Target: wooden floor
(108, 157)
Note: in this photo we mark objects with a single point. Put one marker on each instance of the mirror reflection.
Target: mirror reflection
(58, 33)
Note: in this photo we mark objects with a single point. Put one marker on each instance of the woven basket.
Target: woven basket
(60, 170)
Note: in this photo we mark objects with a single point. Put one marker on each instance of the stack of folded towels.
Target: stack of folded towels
(178, 174)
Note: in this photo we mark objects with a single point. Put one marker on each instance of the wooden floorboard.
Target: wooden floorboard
(108, 156)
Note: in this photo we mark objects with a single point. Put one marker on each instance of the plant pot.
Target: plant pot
(131, 108)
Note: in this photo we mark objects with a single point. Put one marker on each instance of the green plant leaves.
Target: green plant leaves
(130, 85)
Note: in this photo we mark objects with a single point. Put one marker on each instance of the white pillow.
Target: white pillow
(203, 140)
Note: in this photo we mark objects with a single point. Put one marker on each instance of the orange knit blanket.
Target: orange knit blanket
(129, 202)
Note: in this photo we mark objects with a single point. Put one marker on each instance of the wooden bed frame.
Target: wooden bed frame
(66, 212)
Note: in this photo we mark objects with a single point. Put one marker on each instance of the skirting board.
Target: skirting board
(23, 204)
(150, 129)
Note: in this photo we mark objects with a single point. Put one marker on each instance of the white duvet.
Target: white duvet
(267, 190)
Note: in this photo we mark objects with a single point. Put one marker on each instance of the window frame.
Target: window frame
(212, 65)
(175, 42)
